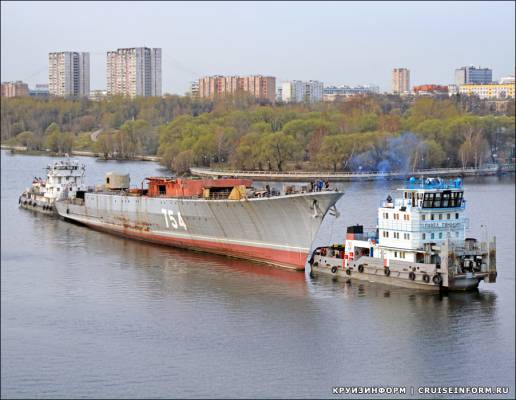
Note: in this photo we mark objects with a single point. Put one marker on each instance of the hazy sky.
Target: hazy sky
(335, 42)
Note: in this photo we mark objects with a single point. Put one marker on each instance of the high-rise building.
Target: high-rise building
(15, 89)
(314, 91)
(299, 91)
(293, 91)
(134, 72)
(401, 81)
(261, 87)
(473, 75)
(69, 74)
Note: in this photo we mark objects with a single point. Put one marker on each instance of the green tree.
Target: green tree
(278, 148)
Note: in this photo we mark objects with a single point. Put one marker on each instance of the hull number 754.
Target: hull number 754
(171, 221)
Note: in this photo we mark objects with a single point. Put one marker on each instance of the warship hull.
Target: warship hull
(278, 230)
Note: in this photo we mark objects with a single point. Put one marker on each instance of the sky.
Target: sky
(341, 43)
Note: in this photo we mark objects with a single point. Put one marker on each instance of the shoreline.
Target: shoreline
(23, 150)
(291, 176)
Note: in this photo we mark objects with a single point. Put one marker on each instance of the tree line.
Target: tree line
(380, 132)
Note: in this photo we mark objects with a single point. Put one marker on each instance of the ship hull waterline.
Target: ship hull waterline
(290, 253)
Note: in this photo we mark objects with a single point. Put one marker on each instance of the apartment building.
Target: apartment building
(293, 91)
(401, 81)
(259, 86)
(69, 74)
(134, 72)
(299, 91)
(15, 89)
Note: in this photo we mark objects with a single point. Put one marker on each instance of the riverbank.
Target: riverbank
(303, 176)
(24, 150)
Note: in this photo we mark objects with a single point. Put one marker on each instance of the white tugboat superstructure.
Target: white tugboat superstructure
(64, 178)
(420, 242)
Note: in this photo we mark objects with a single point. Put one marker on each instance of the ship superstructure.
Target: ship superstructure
(223, 216)
(420, 242)
(64, 178)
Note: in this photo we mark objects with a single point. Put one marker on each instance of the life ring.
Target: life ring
(426, 278)
(348, 272)
(387, 272)
(334, 270)
(360, 268)
(412, 275)
(437, 279)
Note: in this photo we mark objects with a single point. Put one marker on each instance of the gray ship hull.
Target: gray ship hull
(277, 230)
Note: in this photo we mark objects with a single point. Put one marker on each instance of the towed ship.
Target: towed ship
(420, 243)
(222, 216)
(63, 179)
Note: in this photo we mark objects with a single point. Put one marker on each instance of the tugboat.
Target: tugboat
(64, 178)
(420, 243)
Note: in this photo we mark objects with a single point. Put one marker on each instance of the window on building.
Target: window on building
(447, 216)
(432, 236)
(395, 254)
(456, 215)
(432, 217)
(440, 216)
(424, 236)
(440, 235)
(423, 217)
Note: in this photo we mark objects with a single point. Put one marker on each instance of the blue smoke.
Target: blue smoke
(395, 154)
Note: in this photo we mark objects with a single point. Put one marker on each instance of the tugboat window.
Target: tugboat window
(162, 189)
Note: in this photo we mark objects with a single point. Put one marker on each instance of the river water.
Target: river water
(87, 314)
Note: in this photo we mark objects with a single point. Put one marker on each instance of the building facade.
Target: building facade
(507, 79)
(97, 95)
(299, 91)
(259, 86)
(401, 81)
(41, 90)
(15, 89)
(331, 93)
(134, 72)
(473, 75)
(430, 90)
(490, 91)
(194, 89)
(69, 74)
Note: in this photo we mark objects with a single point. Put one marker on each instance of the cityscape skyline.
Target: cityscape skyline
(189, 55)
